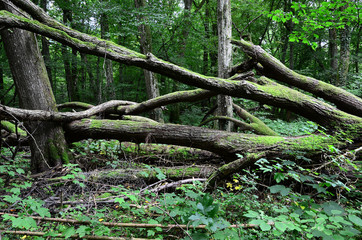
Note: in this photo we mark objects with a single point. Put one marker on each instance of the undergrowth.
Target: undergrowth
(276, 198)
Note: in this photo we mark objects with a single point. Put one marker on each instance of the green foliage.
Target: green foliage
(296, 203)
(311, 17)
(354, 84)
(159, 174)
(280, 196)
(293, 213)
(296, 127)
(207, 214)
(74, 174)
(192, 116)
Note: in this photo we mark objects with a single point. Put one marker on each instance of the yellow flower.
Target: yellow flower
(23, 237)
(229, 185)
(235, 180)
(238, 187)
(101, 219)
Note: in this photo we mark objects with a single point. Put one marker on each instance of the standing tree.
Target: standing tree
(224, 103)
(146, 47)
(47, 142)
(45, 51)
(342, 117)
(107, 65)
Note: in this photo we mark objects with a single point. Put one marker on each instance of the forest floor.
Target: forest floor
(152, 191)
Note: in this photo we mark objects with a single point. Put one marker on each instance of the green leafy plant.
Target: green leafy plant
(74, 174)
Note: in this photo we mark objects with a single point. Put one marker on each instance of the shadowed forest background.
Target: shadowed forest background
(171, 119)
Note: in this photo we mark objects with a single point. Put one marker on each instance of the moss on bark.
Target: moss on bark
(10, 127)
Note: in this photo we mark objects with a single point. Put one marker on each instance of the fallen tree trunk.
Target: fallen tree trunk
(12, 128)
(225, 144)
(149, 175)
(255, 123)
(41, 115)
(273, 68)
(148, 105)
(265, 92)
(167, 155)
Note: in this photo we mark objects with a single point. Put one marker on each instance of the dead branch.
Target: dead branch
(83, 105)
(273, 68)
(255, 123)
(175, 97)
(281, 96)
(240, 124)
(243, 67)
(41, 115)
(2, 231)
(176, 184)
(228, 169)
(138, 119)
(132, 225)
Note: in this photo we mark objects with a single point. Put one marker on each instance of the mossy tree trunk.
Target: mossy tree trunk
(47, 142)
(273, 68)
(264, 91)
(225, 144)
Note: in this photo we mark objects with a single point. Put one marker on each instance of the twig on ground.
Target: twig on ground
(134, 225)
(61, 236)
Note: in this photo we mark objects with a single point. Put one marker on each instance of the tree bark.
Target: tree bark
(344, 60)
(2, 85)
(92, 83)
(224, 103)
(47, 143)
(107, 65)
(265, 91)
(333, 54)
(220, 142)
(152, 89)
(357, 53)
(223, 143)
(47, 59)
(67, 60)
(273, 68)
(205, 60)
(99, 82)
(45, 48)
(255, 123)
